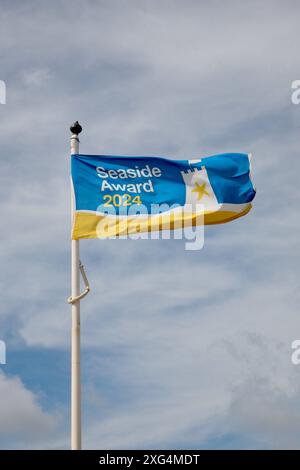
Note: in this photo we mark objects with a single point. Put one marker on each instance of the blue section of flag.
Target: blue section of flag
(168, 188)
(156, 180)
(228, 175)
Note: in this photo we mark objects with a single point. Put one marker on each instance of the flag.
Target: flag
(121, 195)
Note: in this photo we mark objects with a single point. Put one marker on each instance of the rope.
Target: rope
(72, 300)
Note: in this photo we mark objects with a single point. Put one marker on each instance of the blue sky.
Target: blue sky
(179, 349)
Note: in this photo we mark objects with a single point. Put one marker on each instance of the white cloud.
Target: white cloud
(22, 418)
(201, 374)
(36, 77)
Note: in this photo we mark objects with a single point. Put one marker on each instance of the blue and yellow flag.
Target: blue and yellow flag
(115, 195)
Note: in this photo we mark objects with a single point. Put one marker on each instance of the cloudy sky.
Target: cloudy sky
(180, 349)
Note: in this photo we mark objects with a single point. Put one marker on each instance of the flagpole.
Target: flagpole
(75, 354)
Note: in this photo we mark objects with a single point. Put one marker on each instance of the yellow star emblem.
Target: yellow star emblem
(200, 189)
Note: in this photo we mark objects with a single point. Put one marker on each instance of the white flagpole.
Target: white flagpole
(75, 359)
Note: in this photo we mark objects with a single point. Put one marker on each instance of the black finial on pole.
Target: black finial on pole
(76, 128)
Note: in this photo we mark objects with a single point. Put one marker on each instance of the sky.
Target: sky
(180, 349)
